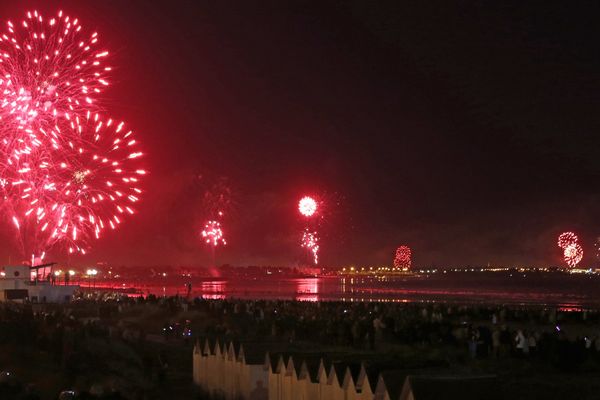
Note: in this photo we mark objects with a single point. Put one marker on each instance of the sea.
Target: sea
(563, 290)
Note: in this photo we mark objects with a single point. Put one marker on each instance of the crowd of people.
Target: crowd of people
(91, 343)
(88, 350)
(564, 337)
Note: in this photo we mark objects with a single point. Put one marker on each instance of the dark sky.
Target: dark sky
(466, 130)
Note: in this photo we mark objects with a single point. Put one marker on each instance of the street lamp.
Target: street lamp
(57, 275)
(69, 276)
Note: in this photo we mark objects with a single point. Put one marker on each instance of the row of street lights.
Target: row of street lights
(91, 273)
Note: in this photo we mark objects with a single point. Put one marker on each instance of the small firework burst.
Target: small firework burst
(213, 234)
(566, 238)
(402, 259)
(573, 254)
(307, 206)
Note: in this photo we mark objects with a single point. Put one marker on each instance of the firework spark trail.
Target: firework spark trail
(310, 241)
(402, 258)
(66, 173)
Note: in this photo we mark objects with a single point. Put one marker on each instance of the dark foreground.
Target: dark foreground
(115, 347)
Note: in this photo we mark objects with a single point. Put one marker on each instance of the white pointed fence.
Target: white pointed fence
(221, 370)
(224, 370)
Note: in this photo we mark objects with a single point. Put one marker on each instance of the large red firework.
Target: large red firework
(402, 259)
(66, 173)
(87, 179)
(49, 68)
(573, 254)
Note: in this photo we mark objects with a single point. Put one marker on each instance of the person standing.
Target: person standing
(520, 343)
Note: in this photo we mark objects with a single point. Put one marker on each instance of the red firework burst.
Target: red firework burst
(307, 206)
(49, 68)
(310, 242)
(567, 238)
(573, 254)
(87, 179)
(213, 234)
(402, 259)
(97, 179)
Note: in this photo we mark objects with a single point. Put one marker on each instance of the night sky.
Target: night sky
(468, 131)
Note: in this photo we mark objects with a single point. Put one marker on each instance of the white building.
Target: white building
(19, 283)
